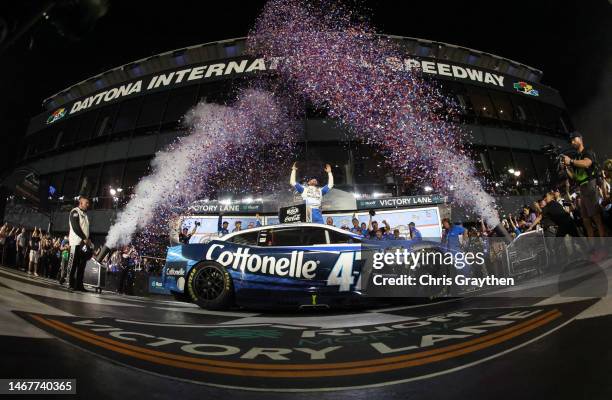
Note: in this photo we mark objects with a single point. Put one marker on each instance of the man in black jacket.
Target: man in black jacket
(80, 245)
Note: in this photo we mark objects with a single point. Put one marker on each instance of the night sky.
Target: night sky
(569, 41)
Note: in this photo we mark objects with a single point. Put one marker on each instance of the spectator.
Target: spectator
(10, 248)
(237, 226)
(396, 235)
(329, 221)
(21, 243)
(453, 235)
(364, 229)
(355, 228)
(415, 234)
(359, 229)
(378, 235)
(554, 212)
(185, 235)
(127, 263)
(583, 170)
(34, 252)
(372, 228)
(222, 226)
(4, 231)
(65, 255)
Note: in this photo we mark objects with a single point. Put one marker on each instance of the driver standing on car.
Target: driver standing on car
(312, 194)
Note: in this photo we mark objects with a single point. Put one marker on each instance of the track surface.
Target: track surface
(118, 346)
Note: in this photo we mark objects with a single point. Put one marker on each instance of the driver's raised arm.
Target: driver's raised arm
(292, 179)
(330, 180)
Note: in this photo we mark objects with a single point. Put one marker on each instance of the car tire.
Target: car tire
(210, 286)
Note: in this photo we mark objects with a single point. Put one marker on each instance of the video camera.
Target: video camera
(555, 153)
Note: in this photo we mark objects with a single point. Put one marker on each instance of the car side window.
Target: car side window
(337, 237)
(313, 236)
(281, 237)
(247, 238)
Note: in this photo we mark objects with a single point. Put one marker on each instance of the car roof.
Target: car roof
(292, 225)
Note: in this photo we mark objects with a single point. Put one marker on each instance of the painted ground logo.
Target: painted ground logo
(280, 357)
(56, 115)
(525, 88)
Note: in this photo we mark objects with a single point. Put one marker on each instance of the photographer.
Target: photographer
(582, 169)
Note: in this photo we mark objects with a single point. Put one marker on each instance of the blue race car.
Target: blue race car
(294, 265)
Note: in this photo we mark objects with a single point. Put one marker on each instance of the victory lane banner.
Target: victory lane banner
(289, 357)
(397, 202)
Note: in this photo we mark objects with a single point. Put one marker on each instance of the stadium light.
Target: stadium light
(356, 195)
(247, 200)
(376, 195)
(511, 170)
(428, 188)
(119, 190)
(112, 191)
(535, 182)
(517, 173)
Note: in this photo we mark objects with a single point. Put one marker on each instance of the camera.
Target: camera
(555, 153)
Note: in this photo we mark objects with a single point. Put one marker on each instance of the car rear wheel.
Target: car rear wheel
(210, 286)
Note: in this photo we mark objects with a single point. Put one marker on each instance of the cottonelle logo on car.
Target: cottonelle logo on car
(241, 259)
(56, 115)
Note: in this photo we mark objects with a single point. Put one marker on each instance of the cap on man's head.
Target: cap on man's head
(411, 224)
(238, 223)
(574, 134)
(225, 223)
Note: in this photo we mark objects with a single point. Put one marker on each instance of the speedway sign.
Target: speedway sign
(230, 68)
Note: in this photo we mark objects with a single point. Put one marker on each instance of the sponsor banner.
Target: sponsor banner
(214, 207)
(156, 285)
(287, 215)
(397, 202)
(434, 340)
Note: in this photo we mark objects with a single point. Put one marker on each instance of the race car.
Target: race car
(296, 265)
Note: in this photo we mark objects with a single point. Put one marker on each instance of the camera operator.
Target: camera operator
(582, 169)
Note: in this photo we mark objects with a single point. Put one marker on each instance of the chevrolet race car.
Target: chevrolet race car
(293, 265)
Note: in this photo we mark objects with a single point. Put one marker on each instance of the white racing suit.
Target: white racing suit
(312, 196)
(79, 251)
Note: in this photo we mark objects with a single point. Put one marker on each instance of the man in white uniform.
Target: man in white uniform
(80, 245)
(312, 194)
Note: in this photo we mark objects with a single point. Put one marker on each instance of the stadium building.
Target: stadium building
(99, 135)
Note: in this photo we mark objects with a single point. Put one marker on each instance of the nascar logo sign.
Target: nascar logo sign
(56, 115)
(525, 88)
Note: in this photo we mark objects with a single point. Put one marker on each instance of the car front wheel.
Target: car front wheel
(210, 286)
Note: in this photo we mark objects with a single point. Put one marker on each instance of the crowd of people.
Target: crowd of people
(34, 251)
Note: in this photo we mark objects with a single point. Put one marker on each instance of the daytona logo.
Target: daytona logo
(241, 259)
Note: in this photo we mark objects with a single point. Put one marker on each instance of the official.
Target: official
(80, 244)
